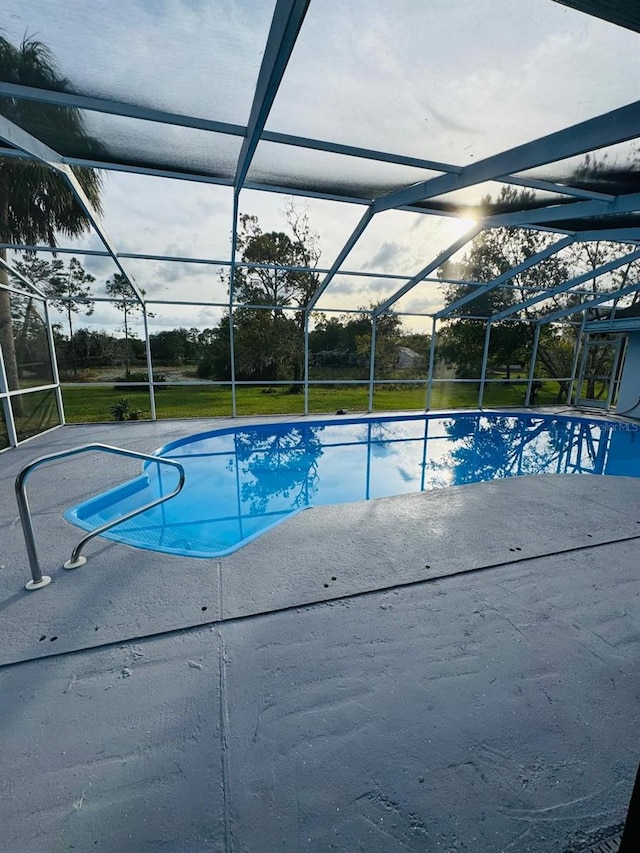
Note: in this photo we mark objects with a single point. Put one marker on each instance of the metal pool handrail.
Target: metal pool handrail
(38, 579)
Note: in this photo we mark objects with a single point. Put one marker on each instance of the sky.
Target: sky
(446, 80)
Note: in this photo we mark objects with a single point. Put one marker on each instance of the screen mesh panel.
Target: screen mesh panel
(199, 59)
(448, 79)
(491, 198)
(613, 169)
(130, 141)
(329, 173)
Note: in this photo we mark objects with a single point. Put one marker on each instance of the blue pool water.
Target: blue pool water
(242, 480)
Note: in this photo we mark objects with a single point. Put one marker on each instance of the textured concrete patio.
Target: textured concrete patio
(452, 670)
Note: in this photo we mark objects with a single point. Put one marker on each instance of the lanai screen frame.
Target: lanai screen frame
(616, 126)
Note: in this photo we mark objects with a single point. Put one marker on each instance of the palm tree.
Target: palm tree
(36, 202)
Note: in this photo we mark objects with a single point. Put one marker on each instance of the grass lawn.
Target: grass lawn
(85, 403)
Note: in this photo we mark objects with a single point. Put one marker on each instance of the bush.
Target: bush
(122, 411)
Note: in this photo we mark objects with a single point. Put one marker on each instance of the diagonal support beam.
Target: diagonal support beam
(35, 290)
(628, 203)
(610, 235)
(506, 276)
(567, 285)
(550, 187)
(15, 135)
(285, 26)
(591, 303)
(431, 267)
(616, 126)
(348, 246)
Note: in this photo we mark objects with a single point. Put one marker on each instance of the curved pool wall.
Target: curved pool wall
(243, 480)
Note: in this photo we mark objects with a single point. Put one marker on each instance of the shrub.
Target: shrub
(122, 411)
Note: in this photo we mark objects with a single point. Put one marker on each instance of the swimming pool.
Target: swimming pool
(243, 480)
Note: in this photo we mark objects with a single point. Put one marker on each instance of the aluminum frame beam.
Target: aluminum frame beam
(120, 108)
(102, 253)
(567, 285)
(591, 303)
(347, 247)
(611, 235)
(628, 203)
(117, 108)
(285, 26)
(198, 177)
(550, 186)
(26, 142)
(358, 151)
(616, 126)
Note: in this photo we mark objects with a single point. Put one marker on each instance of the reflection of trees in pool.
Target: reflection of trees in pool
(488, 448)
(284, 464)
(280, 464)
(380, 436)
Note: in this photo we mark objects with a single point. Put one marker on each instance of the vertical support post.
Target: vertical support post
(6, 404)
(232, 276)
(372, 361)
(306, 362)
(432, 354)
(576, 354)
(147, 346)
(54, 363)
(532, 364)
(485, 359)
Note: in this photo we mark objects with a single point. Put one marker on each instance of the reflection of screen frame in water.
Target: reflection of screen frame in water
(254, 477)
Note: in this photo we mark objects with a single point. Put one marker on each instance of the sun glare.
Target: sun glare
(462, 225)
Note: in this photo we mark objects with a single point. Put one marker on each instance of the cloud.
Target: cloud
(385, 257)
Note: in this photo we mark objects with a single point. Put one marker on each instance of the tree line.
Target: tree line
(272, 284)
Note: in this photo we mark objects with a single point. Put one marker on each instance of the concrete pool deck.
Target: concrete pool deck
(451, 670)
